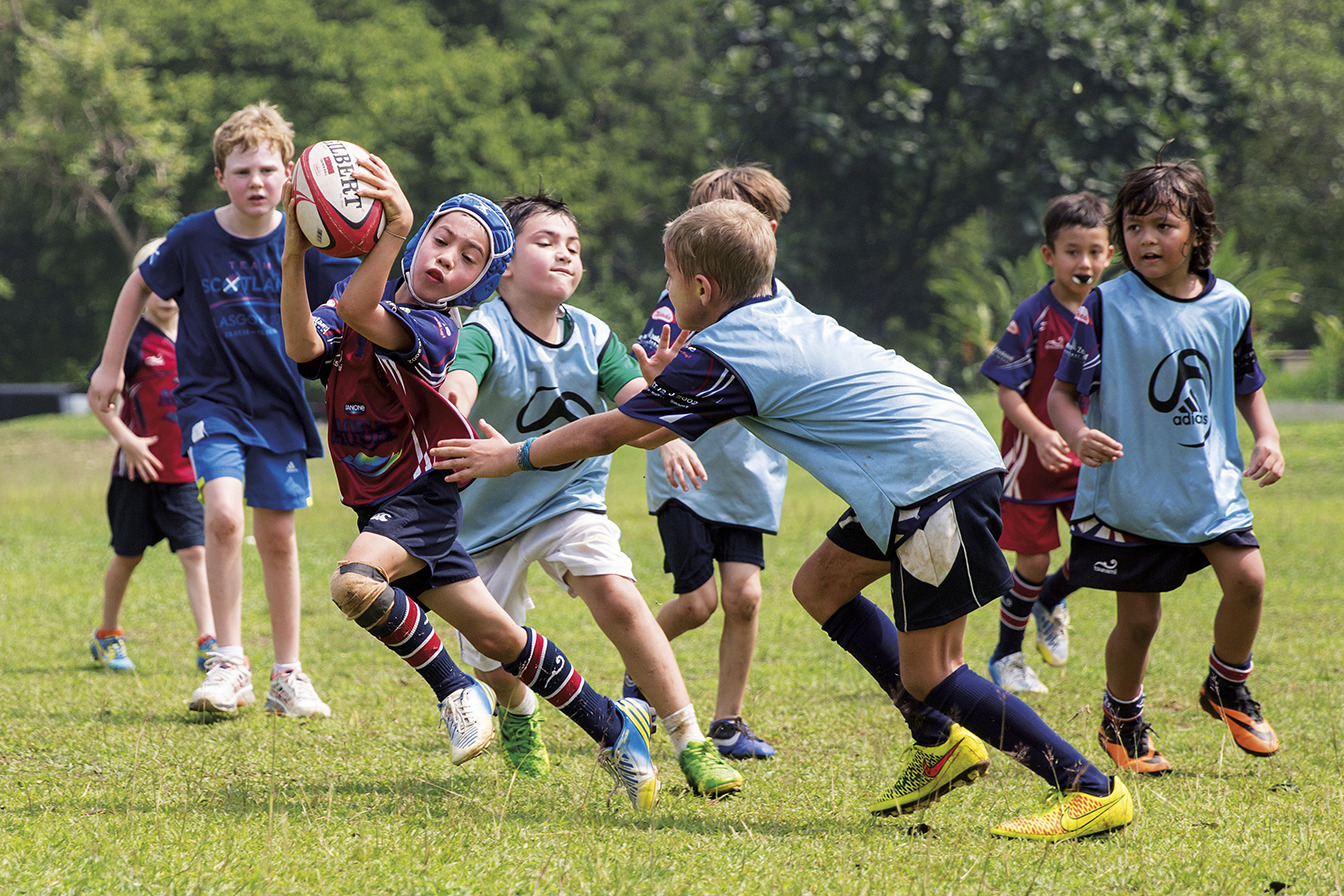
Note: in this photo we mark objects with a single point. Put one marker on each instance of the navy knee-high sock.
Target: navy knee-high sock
(1057, 586)
(869, 635)
(1002, 720)
(544, 668)
(407, 632)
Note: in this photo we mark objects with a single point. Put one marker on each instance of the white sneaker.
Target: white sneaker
(1052, 633)
(227, 685)
(469, 714)
(292, 694)
(1014, 675)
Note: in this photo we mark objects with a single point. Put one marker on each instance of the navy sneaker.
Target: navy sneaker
(737, 741)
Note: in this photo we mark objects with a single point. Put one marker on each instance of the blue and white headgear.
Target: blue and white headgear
(501, 250)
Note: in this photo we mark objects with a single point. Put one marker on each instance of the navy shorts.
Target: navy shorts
(423, 518)
(142, 514)
(1111, 560)
(691, 545)
(945, 557)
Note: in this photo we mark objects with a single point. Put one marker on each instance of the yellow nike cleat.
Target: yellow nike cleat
(1074, 816)
(929, 772)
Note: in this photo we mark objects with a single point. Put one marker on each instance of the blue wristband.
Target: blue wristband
(524, 460)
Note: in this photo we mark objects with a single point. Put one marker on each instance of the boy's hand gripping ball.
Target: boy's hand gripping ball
(330, 211)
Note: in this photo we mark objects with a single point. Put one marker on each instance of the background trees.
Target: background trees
(921, 138)
(897, 120)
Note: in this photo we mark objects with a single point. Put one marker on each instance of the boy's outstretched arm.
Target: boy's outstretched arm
(1092, 446)
(1267, 463)
(106, 383)
(668, 348)
(495, 457)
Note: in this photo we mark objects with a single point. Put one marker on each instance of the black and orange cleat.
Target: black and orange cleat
(1132, 747)
(1232, 704)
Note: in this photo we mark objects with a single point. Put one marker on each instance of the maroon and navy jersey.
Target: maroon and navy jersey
(384, 410)
(148, 407)
(1025, 360)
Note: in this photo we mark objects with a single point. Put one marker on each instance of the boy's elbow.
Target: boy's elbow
(300, 352)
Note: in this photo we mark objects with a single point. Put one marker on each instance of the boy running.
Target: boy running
(722, 518)
(919, 470)
(531, 362)
(1042, 471)
(1159, 495)
(382, 349)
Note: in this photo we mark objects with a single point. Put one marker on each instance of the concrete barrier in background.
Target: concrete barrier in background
(26, 399)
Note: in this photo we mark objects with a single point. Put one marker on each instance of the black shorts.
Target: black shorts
(945, 556)
(1111, 560)
(141, 514)
(423, 518)
(691, 545)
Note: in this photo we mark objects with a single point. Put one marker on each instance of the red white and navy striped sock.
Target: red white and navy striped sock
(407, 632)
(1014, 611)
(544, 668)
(1227, 671)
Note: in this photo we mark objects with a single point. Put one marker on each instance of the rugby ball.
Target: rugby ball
(330, 211)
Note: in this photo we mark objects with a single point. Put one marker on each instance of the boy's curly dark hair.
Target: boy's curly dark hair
(1179, 186)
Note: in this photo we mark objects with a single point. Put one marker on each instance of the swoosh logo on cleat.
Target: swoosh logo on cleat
(1071, 820)
(934, 770)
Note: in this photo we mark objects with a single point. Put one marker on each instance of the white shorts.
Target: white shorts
(579, 542)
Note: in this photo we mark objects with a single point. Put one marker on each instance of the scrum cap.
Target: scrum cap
(501, 250)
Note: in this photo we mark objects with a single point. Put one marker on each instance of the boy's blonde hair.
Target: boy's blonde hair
(728, 241)
(259, 125)
(753, 184)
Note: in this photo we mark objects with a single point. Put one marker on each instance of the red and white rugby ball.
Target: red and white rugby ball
(330, 211)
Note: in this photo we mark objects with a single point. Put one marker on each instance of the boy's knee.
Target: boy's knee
(224, 527)
(698, 605)
(1140, 624)
(742, 603)
(361, 592)
(500, 643)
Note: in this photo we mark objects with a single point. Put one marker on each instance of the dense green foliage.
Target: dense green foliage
(897, 124)
(897, 120)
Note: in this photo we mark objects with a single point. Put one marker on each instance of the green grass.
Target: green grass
(108, 785)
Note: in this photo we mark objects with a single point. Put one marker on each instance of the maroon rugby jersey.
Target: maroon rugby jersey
(384, 410)
(1025, 359)
(148, 407)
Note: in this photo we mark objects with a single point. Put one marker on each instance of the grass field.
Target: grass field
(109, 786)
